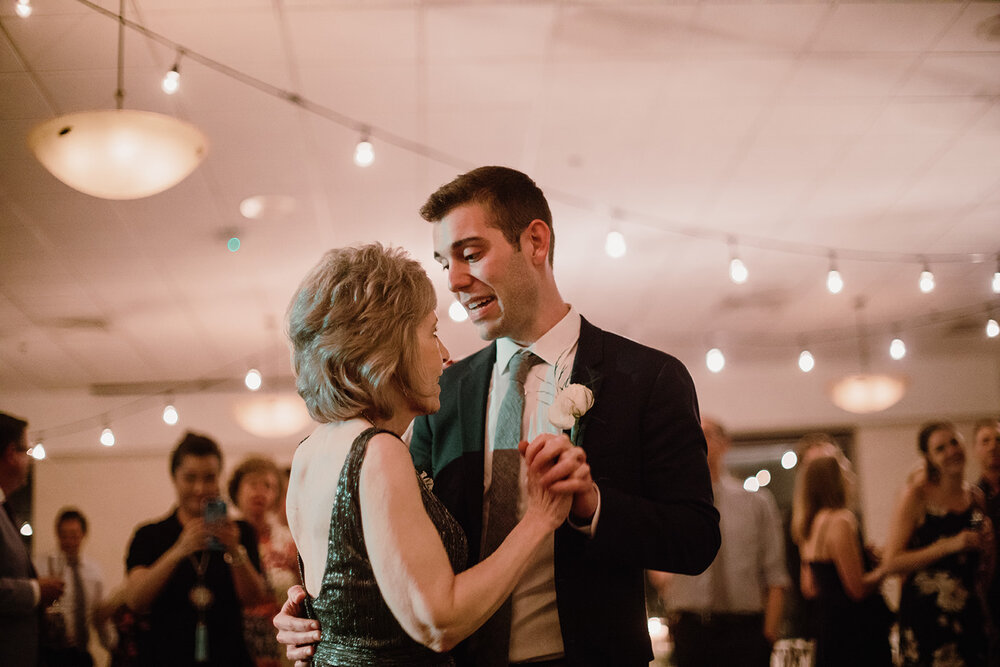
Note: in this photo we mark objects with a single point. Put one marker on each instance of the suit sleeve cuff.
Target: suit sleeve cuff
(588, 529)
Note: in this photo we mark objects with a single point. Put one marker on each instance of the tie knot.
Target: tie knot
(521, 363)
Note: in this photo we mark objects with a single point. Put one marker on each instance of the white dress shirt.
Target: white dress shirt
(55, 565)
(535, 632)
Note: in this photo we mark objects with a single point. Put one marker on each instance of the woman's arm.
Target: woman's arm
(144, 584)
(845, 551)
(900, 560)
(434, 605)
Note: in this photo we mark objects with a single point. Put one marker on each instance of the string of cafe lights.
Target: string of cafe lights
(616, 245)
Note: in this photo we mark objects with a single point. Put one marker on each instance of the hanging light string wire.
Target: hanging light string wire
(442, 157)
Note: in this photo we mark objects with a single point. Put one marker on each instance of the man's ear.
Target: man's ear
(535, 240)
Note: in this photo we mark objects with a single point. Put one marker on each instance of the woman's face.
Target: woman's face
(256, 494)
(195, 481)
(946, 452)
(430, 361)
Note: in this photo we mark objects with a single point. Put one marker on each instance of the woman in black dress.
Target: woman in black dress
(941, 540)
(853, 621)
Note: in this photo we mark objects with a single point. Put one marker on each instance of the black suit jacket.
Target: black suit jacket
(19, 614)
(647, 454)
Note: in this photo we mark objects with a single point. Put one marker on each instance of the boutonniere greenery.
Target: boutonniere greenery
(571, 401)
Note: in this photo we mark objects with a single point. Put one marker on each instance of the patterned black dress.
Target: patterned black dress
(356, 624)
(941, 615)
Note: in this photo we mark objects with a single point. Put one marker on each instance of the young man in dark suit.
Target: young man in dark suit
(645, 502)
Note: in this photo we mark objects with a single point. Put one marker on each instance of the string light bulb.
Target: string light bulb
(738, 272)
(806, 361)
(172, 80)
(926, 279)
(614, 244)
(834, 281)
(23, 8)
(253, 379)
(992, 328)
(995, 284)
(170, 415)
(38, 451)
(457, 312)
(108, 437)
(897, 348)
(364, 152)
(715, 360)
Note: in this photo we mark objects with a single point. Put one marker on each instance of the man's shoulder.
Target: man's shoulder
(624, 349)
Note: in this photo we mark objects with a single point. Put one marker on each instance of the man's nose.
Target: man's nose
(458, 277)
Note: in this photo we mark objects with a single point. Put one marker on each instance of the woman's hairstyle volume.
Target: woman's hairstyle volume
(352, 324)
(820, 486)
(923, 444)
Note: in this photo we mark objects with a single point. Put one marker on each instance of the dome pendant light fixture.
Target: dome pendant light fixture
(118, 153)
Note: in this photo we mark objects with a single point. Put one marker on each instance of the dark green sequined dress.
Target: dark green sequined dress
(357, 626)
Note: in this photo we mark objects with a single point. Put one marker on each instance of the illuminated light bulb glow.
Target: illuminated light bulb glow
(834, 283)
(751, 484)
(27, 530)
(171, 81)
(614, 245)
(37, 452)
(23, 8)
(108, 437)
(806, 361)
(170, 415)
(253, 379)
(763, 477)
(789, 460)
(926, 281)
(457, 312)
(738, 272)
(715, 360)
(897, 349)
(364, 153)
(992, 328)
(995, 284)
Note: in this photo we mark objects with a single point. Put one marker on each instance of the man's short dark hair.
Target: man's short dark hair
(511, 199)
(193, 444)
(71, 514)
(11, 430)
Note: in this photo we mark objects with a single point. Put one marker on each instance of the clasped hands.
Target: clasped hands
(557, 466)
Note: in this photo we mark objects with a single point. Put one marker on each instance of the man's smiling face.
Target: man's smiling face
(492, 279)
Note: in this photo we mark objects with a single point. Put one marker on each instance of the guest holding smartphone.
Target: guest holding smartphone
(193, 571)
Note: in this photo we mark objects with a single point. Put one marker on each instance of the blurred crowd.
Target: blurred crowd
(809, 590)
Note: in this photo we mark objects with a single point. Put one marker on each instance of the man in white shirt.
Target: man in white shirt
(731, 614)
(84, 591)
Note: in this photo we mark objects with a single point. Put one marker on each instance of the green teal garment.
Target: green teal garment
(356, 624)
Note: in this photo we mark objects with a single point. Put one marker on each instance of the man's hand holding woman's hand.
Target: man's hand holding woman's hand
(558, 466)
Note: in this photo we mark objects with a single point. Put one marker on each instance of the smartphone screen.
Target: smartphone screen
(215, 513)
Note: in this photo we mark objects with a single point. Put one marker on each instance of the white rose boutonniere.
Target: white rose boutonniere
(571, 403)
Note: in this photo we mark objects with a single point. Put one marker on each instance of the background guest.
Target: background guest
(986, 436)
(84, 591)
(732, 612)
(255, 489)
(23, 594)
(853, 619)
(937, 539)
(192, 586)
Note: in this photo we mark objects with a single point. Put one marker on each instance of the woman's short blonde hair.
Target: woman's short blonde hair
(352, 324)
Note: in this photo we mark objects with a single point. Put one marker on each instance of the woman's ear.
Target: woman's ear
(535, 240)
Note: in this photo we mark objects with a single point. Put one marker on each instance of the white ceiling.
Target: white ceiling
(795, 128)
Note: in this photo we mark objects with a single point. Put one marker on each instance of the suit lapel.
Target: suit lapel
(473, 394)
(587, 364)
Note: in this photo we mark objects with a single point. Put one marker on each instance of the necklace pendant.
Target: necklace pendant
(201, 597)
